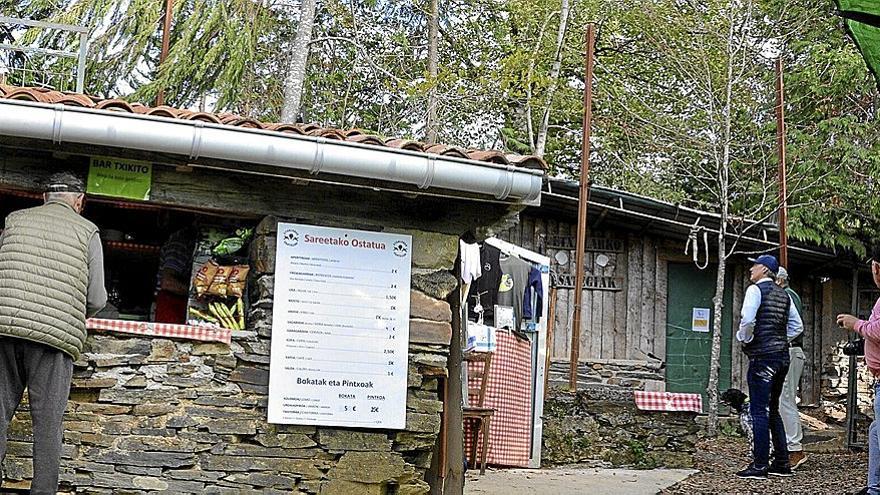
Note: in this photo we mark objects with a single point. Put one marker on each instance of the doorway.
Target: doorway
(689, 320)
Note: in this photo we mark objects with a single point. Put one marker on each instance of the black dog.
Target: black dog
(739, 402)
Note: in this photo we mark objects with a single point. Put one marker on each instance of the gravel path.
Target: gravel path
(822, 473)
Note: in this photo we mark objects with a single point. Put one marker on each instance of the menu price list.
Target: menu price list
(340, 334)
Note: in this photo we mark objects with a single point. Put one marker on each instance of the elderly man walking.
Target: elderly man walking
(769, 321)
(51, 279)
(788, 409)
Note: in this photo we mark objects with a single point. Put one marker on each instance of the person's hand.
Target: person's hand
(846, 321)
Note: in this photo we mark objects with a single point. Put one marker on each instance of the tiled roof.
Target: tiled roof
(43, 95)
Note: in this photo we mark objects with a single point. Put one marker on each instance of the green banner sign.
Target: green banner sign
(120, 178)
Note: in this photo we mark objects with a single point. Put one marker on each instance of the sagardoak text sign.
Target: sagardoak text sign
(591, 282)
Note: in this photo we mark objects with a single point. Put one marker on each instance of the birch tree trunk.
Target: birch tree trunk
(432, 124)
(541, 141)
(718, 311)
(296, 72)
(530, 78)
(722, 160)
(718, 300)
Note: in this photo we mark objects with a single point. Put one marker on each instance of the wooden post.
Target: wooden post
(582, 210)
(551, 326)
(453, 474)
(166, 45)
(783, 185)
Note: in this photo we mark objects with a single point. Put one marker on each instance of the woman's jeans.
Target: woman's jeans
(874, 446)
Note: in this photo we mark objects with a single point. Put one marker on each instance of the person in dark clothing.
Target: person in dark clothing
(769, 321)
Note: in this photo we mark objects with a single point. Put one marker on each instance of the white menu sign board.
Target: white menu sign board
(340, 328)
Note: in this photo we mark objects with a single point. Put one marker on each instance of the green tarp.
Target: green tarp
(863, 21)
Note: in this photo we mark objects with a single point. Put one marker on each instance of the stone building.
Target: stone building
(153, 414)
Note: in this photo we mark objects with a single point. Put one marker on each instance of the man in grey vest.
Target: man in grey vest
(769, 321)
(51, 279)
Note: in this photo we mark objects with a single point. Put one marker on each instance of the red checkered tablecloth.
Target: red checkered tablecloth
(190, 332)
(668, 401)
(509, 392)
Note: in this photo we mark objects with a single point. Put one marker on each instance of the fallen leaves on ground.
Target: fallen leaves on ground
(822, 474)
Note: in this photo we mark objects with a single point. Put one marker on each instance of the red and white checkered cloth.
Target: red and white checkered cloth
(668, 401)
(190, 332)
(509, 392)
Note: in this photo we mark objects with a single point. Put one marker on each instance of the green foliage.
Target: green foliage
(730, 429)
(217, 49)
(661, 74)
(641, 457)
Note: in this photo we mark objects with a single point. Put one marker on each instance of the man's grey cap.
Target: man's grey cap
(65, 182)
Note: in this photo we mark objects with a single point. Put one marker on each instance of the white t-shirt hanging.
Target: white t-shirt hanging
(471, 269)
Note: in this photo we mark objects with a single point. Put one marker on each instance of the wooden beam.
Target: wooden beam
(551, 327)
(323, 204)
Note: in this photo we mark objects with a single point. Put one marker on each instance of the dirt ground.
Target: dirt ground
(823, 473)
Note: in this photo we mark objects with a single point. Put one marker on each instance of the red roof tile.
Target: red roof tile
(121, 105)
(44, 95)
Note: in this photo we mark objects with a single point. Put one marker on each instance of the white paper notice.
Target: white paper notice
(340, 328)
(700, 320)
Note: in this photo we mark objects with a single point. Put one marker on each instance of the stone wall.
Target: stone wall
(629, 374)
(600, 423)
(835, 382)
(161, 416)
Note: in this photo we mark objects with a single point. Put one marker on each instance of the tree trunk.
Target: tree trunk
(530, 76)
(432, 125)
(299, 57)
(718, 311)
(541, 142)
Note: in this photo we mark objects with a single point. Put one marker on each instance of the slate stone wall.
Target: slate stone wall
(601, 423)
(629, 374)
(149, 415)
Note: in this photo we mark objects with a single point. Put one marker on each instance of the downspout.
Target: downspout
(196, 139)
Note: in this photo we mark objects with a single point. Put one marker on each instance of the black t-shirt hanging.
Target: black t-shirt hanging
(486, 287)
(514, 281)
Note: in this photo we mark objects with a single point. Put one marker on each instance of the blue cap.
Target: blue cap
(767, 260)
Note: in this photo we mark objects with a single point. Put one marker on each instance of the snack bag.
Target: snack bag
(219, 284)
(205, 276)
(238, 280)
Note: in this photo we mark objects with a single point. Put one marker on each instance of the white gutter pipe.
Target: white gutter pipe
(196, 139)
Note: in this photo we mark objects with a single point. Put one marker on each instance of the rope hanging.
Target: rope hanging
(694, 239)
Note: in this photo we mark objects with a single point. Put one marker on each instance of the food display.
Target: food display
(219, 285)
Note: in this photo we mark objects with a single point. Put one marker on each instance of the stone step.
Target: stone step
(832, 440)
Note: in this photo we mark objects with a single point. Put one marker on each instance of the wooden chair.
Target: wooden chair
(475, 409)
